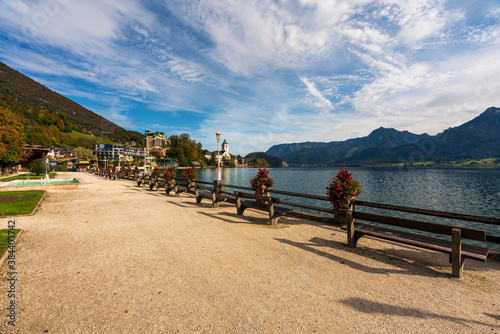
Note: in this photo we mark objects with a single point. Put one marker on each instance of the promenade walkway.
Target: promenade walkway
(115, 258)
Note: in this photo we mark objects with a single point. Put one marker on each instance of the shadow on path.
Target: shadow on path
(404, 267)
(182, 205)
(368, 306)
(233, 218)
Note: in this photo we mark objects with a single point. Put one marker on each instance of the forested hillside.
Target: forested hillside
(49, 117)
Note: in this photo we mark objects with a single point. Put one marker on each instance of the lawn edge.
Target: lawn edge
(38, 204)
(4, 256)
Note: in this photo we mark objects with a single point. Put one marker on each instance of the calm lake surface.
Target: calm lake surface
(468, 191)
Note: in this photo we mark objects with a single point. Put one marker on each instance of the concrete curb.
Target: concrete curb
(38, 204)
(4, 256)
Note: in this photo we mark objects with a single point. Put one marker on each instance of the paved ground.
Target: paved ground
(115, 258)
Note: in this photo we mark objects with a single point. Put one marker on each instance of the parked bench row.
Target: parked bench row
(357, 223)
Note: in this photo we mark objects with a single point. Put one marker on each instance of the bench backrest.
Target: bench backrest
(466, 232)
(197, 186)
(256, 197)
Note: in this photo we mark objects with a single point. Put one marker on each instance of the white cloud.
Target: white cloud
(254, 36)
(429, 97)
(184, 69)
(480, 35)
(81, 27)
(420, 20)
(318, 99)
(262, 69)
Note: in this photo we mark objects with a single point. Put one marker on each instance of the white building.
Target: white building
(224, 153)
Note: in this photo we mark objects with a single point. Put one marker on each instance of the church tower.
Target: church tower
(225, 146)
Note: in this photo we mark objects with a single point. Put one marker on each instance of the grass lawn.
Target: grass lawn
(26, 176)
(19, 202)
(100, 140)
(4, 239)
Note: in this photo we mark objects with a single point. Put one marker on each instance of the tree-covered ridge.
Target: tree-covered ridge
(42, 107)
(11, 138)
(271, 160)
(184, 149)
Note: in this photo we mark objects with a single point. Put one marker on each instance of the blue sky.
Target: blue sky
(262, 72)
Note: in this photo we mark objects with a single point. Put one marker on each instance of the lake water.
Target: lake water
(468, 191)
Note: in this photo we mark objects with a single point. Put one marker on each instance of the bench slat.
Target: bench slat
(468, 233)
(468, 251)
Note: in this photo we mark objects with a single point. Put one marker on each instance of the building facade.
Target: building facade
(131, 153)
(155, 140)
(109, 152)
(224, 153)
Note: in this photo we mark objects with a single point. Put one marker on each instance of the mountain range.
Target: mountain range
(476, 139)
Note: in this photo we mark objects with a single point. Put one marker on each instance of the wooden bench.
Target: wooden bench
(173, 185)
(146, 179)
(201, 192)
(257, 202)
(457, 251)
(157, 182)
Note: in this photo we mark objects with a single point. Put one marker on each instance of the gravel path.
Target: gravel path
(115, 258)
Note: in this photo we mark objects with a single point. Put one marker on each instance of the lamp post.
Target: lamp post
(217, 135)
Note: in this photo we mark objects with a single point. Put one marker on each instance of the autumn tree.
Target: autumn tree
(184, 149)
(85, 153)
(11, 138)
(158, 154)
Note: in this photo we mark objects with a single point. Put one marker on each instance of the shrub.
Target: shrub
(343, 190)
(261, 182)
(189, 175)
(170, 174)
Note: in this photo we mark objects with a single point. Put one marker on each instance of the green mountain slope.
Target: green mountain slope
(272, 160)
(41, 106)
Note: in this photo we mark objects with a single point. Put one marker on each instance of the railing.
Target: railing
(433, 213)
(395, 208)
(223, 190)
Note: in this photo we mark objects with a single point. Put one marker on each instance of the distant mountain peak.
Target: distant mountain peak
(492, 110)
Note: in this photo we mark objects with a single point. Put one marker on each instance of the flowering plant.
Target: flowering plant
(156, 172)
(170, 174)
(261, 181)
(189, 175)
(342, 189)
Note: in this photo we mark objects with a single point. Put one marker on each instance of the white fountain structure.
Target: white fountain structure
(46, 180)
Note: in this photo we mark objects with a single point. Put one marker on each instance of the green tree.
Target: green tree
(183, 161)
(11, 138)
(261, 163)
(38, 166)
(184, 149)
(83, 152)
(39, 135)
